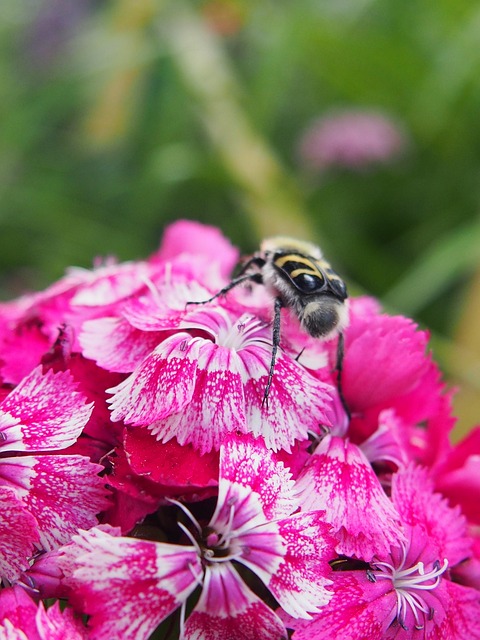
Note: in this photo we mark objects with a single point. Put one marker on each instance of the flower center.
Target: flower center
(409, 583)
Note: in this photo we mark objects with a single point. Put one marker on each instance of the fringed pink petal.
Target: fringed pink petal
(358, 610)
(161, 385)
(128, 586)
(228, 610)
(44, 412)
(115, 345)
(246, 463)
(63, 493)
(18, 535)
(340, 481)
(217, 405)
(417, 504)
(283, 419)
(52, 624)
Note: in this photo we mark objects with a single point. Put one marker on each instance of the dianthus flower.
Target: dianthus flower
(46, 495)
(407, 591)
(129, 586)
(21, 618)
(338, 507)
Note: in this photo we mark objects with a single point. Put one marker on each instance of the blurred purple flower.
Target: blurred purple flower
(353, 139)
(53, 25)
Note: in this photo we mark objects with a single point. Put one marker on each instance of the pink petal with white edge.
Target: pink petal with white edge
(9, 632)
(43, 412)
(283, 419)
(246, 463)
(111, 283)
(115, 345)
(64, 493)
(129, 586)
(302, 579)
(217, 405)
(164, 307)
(18, 535)
(161, 385)
(339, 480)
(228, 610)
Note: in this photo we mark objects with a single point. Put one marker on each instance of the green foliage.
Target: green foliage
(83, 176)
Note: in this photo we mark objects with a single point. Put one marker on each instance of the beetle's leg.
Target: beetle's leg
(242, 277)
(275, 344)
(339, 370)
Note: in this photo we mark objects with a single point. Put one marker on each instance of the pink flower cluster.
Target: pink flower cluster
(354, 139)
(147, 485)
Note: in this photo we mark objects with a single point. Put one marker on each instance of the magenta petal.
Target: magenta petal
(64, 493)
(384, 358)
(115, 345)
(227, 610)
(179, 469)
(17, 613)
(129, 586)
(417, 504)
(190, 237)
(340, 481)
(162, 384)
(18, 535)
(358, 610)
(52, 624)
(43, 412)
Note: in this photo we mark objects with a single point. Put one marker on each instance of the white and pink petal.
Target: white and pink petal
(246, 463)
(283, 418)
(18, 535)
(358, 609)
(115, 345)
(53, 624)
(228, 610)
(161, 385)
(217, 405)
(128, 586)
(339, 480)
(44, 412)
(63, 493)
(301, 583)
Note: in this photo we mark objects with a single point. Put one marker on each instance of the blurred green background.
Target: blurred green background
(354, 123)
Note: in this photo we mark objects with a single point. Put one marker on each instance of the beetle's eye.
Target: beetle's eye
(308, 283)
(339, 288)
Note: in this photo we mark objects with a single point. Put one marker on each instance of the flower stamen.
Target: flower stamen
(408, 584)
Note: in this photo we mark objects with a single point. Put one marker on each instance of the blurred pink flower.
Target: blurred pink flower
(352, 139)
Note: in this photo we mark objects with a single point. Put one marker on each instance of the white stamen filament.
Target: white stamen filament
(223, 538)
(408, 582)
(190, 537)
(188, 513)
(153, 288)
